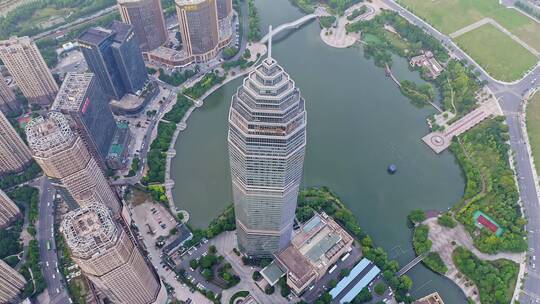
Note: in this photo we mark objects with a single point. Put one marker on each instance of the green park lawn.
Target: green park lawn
(533, 128)
(449, 16)
(497, 53)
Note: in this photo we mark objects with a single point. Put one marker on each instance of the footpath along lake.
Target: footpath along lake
(358, 124)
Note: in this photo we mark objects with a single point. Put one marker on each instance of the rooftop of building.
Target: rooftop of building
(13, 40)
(121, 29)
(89, 229)
(359, 277)
(433, 298)
(183, 235)
(189, 2)
(169, 54)
(95, 35)
(71, 95)
(46, 133)
(313, 246)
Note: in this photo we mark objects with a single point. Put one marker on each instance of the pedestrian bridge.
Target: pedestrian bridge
(411, 264)
(294, 24)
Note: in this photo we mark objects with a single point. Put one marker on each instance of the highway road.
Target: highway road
(510, 96)
(45, 233)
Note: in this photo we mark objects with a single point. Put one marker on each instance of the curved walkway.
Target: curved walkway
(337, 36)
(445, 240)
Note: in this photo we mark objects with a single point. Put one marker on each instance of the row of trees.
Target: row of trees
(36, 281)
(180, 108)
(12, 180)
(254, 20)
(420, 95)
(29, 197)
(421, 242)
(177, 77)
(308, 6)
(208, 81)
(157, 154)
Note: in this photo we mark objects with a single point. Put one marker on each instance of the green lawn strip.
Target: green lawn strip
(533, 128)
(451, 15)
(495, 280)
(497, 53)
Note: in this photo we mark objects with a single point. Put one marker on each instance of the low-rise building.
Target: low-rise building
(118, 152)
(433, 298)
(361, 275)
(315, 247)
(427, 60)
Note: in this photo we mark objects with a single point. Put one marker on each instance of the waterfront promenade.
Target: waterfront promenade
(439, 141)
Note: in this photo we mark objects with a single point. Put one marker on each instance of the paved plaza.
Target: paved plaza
(440, 141)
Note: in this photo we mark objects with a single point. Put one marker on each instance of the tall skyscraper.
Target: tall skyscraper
(109, 258)
(8, 210)
(8, 102)
(14, 154)
(11, 284)
(267, 140)
(82, 99)
(25, 63)
(198, 23)
(146, 17)
(65, 159)
(115, 58)
(224, 8)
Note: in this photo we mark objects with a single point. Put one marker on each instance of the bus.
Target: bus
(345, 256)
(48, 245)
(332, 269)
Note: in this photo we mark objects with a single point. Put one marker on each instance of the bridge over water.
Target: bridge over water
(411, 264)
(295, 24)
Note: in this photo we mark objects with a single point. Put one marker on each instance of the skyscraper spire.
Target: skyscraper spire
(270, 42)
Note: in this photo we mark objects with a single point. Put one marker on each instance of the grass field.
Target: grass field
(533, 128)
(497, 53)
(449, 16)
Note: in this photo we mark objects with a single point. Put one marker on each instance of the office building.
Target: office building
(199, 29)
(315, 247)
(114, 56)
(8, 210)
(66, 160)
(146, 17)
(224, 8)
(109, 258)
(14, 154)
(30, 72)
(11, 284)
(8, 101)
(84, 102)
(267, 139)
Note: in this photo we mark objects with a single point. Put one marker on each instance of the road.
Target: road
(45, 233)
(510, 96)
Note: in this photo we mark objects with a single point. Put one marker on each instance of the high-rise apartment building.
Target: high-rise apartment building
(11, 284)
(84, 102)
(198, 21)
(14, 154)
(146, 17)
(8, 210)
(267, 140)
(109, 258)
(25, 63)
(65, 159)
(224, 8)
(115, 58)
(8, 101)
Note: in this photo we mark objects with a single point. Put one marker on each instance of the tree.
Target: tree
(332, 283)
(380, 288)
(212, 249)
(269, 289)
(193, 264)
(363, 297)
(417, 216)
(207, 274)
(446, 221)
(344, 272)
(256, 276)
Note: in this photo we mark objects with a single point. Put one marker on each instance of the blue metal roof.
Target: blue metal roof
(348, 279)
(360, 285)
